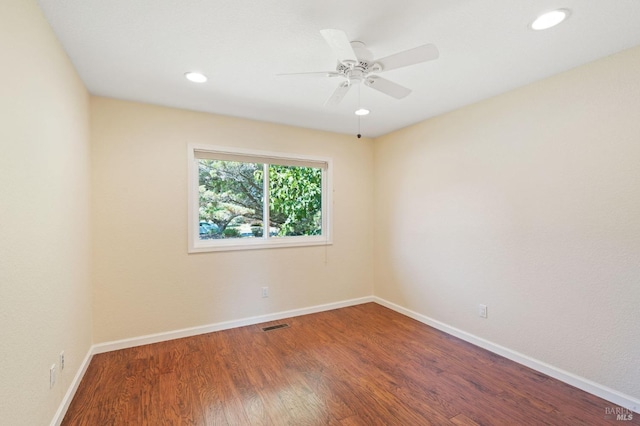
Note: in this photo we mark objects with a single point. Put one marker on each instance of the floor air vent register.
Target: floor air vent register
(275, 327)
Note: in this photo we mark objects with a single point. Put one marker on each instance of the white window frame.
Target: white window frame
(195, 245)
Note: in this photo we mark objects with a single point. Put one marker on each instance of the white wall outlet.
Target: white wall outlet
(265, 291)
(482, 311)
(52, 376)
(61, 360)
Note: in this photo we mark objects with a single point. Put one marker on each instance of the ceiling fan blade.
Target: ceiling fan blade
(387, 87)
(424, 53)
(310, 74)
(338, 94)
(340, 45)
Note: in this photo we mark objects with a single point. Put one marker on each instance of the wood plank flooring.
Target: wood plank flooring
(362, 365)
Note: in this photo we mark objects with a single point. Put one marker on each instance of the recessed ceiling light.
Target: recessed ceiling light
(550, 19)
(362, 111)
(196, 77)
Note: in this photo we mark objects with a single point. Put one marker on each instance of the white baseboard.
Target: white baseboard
(586, 385)
(73, 387)
(194, 331)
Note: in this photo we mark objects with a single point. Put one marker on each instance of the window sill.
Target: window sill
(256, 244)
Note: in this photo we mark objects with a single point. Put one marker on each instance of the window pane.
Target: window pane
(231, 199)
(295, 197)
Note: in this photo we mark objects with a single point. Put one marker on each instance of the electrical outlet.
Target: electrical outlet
(61, 360)
(52, 376)
(482, 311)
(265, 291)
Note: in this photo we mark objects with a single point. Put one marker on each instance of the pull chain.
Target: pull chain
(359, 106)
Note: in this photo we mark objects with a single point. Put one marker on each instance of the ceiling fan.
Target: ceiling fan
(356, 64)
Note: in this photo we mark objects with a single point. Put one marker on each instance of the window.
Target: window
(240, 199)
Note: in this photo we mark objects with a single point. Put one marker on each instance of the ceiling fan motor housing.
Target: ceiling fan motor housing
(358, 71)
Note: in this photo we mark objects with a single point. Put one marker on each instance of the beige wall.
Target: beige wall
(45, 291)
(144, 280)
(530, 203)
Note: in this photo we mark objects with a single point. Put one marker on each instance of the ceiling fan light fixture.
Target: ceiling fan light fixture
(195, 77)
(550, 19)
(362, 111)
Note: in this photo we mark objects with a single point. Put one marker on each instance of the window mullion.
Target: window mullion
(266, 228)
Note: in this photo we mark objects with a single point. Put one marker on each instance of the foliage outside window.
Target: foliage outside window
(248, 199)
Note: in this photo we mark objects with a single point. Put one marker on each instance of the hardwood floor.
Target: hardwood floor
(362, 365)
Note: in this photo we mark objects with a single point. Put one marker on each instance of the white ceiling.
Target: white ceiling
(140, 49)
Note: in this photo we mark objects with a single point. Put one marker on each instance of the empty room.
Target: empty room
(319, 213)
